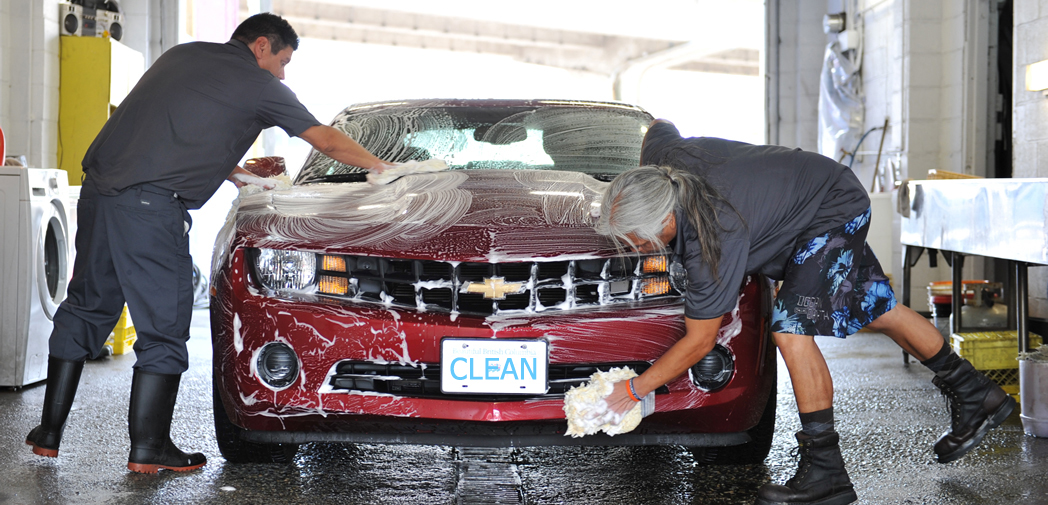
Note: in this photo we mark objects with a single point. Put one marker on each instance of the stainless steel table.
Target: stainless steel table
(996, 218)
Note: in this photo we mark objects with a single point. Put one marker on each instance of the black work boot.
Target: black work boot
(149, 424)
(62, 379)
(820, 479)
(977, 405)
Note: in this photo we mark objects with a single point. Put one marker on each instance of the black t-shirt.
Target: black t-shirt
(784, 197)
(189, 121)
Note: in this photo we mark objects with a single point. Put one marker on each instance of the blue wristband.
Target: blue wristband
(633, 392)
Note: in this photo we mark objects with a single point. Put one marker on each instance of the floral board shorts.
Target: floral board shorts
(833, 285)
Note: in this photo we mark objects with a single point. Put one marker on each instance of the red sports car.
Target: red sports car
(457, 307)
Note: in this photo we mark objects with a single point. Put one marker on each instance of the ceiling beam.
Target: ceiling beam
(576, 50)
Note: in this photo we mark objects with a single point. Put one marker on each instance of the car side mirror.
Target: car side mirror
(266, 166)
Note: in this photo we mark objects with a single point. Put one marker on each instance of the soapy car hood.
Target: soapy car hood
(475, 216)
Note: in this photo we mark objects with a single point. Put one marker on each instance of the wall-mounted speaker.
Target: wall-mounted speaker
(70, 17)
(90, 18)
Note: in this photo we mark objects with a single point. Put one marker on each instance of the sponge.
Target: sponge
(588, 413)
(407, 168)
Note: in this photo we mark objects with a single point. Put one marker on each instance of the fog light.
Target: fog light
(714, 370)
(679, 276)
(277, 365)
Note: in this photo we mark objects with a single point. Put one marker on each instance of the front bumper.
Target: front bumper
(324, 333)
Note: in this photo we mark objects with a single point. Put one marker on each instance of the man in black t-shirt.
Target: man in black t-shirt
(172, 142)
(730, 209)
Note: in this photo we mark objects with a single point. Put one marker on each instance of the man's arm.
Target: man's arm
(238, 170)
(698, 340)
(340, 147)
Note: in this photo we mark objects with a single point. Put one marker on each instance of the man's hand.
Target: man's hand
(241, 177)
(242, 180)
(698, 340)
(619, 400)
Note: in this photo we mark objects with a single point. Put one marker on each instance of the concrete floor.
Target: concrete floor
(888, 416)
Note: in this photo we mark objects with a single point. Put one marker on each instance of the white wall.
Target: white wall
(1030, 122)
(918, 72)
(795, 47)
(29, 77)
(914, 74)
(29, 67)
(5, 74)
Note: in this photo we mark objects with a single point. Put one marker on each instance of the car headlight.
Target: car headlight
(286, 270)
(277, 365)
(714, 370)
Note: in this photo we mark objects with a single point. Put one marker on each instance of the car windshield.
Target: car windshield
(601, 140)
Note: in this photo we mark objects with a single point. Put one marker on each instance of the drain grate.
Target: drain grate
(484, 478)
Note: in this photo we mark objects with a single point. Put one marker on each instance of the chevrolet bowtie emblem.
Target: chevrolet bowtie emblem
(494, 288)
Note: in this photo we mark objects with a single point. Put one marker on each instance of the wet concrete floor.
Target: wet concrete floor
(888, 416)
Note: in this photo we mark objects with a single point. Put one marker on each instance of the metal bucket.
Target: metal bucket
(1033, 391)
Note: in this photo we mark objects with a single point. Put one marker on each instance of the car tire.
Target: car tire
(236, 450)
(751, 453)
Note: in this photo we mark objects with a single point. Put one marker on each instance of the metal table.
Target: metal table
(996, 218)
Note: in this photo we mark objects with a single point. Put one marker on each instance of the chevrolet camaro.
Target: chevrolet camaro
(457, 307)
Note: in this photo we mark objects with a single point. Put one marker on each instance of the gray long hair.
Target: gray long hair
(640, 200)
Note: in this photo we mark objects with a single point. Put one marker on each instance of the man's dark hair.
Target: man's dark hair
(268, 25)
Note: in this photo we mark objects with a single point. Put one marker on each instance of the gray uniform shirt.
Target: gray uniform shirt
(784, 196)
(189, 121)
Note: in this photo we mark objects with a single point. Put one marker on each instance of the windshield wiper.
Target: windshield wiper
(604, 177)
(346, 177)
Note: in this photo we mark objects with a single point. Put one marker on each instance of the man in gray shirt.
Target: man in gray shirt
(172, 142)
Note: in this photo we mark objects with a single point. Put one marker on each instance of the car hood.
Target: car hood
(475, 215)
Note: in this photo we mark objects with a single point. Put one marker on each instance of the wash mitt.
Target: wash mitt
(588, 413)
(399, 170)
(254, 184)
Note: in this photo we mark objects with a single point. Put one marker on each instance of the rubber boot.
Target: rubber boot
(149, 424)
(977, 405)
(821, 478)
(63, 377)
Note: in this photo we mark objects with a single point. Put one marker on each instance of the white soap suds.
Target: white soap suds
(238, 339)
(588, 413)
(254, 184)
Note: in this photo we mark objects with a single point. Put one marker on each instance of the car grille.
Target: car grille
(423, 381)
(443, 286)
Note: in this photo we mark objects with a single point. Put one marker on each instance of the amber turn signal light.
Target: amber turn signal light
(331, 285)
(333, 263)
(655, 286)
(654, 265)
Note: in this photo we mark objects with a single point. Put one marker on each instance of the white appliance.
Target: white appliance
(35, 266)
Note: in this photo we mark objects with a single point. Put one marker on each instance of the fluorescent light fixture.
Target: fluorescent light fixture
(1037, 76)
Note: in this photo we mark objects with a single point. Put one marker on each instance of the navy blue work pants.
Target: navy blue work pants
(131, 247)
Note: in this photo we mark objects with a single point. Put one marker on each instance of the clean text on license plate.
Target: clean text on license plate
(482, 365)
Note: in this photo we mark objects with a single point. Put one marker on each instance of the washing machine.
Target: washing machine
(35, 268)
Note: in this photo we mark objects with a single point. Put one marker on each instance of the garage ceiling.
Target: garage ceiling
(577, 50)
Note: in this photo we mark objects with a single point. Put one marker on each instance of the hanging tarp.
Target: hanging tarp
(840, 104)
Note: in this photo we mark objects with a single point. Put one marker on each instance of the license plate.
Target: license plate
(485, 366)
